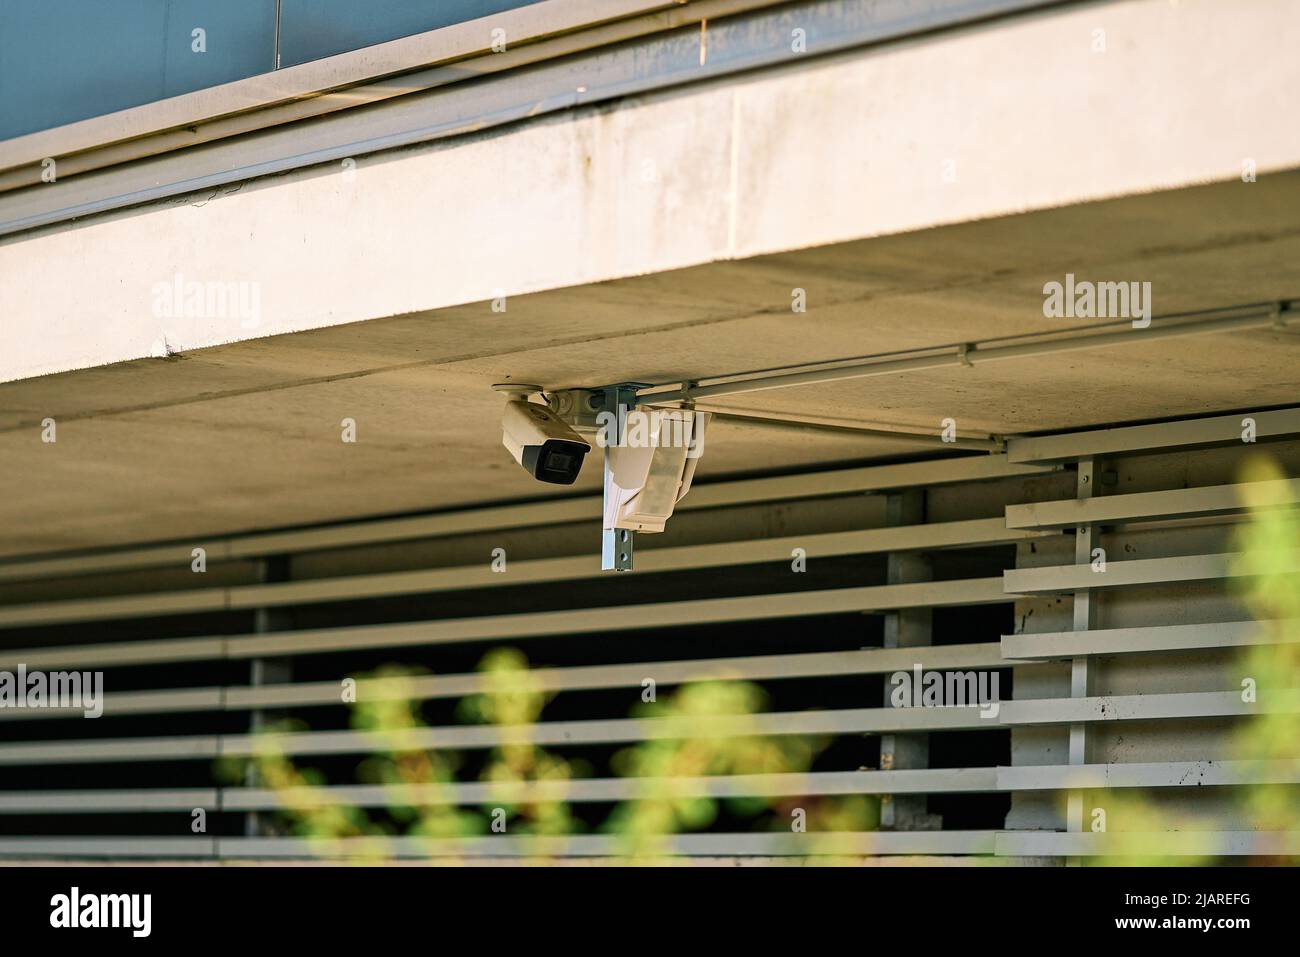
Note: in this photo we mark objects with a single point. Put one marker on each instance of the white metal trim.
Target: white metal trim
(1148, 506)
(1144, 571)
(1055, 645)
(1148, 707)
(870, 598)
(546, 733)
(429, 687)
(1207, 430)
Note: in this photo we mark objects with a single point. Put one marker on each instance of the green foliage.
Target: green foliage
(1268, 587)
(705, 730)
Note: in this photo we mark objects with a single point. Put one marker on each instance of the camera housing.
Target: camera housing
(652, 466)
(541, 442)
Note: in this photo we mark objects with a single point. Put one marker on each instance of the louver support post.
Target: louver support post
(616, 543)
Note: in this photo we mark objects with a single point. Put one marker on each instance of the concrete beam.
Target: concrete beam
(995, 119)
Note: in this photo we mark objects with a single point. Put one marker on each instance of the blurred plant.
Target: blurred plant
(415, 777)
(512, 701)
(1269, 543)
(709, 730)
(1267, 743)
(1143, 838)
(704, 731)
(418, 778)
(324, 825)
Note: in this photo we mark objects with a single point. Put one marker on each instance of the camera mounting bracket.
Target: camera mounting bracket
(616, 544)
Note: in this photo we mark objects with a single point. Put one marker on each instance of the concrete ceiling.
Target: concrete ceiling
(247, 436)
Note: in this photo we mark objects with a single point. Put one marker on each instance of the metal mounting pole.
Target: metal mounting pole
(616, 543)
(1119, 333)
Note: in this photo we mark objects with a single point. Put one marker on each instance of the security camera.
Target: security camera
(547, 448)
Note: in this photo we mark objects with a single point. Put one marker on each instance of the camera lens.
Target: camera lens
(556, 461)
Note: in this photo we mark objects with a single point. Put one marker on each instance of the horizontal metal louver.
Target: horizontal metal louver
(969, 563)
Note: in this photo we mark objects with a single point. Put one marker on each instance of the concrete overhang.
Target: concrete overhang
(920, 195)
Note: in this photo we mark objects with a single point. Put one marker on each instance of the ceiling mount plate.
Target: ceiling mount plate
(517, 390)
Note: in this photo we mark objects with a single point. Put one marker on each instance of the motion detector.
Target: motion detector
(540, 440)
(651, 467)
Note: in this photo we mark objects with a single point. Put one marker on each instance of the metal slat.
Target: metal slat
(108, 801)
(428, 687)
(943, 471)
(1213, 430)
(465, 522)
(105, 750)
(1172, 843)
(193, 602)
(579, 845)
(97, 847)
(942, 781)
(929, 781)
(1050, 645)
(139, 702)
(842, 721)
(923, 781)
(1149, 707)
(177, 556)
(1145, 571)
(817, 664)
(865, 661)
(1001, 843)
(969, 591)
(1149, 506)
(1175, 774)
(114, 653)
(355, 587)
(601, 845)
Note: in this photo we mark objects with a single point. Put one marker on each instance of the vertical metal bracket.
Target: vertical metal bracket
(266, 671)
(907, 628)
(616, 549)
(1086, 537)
(616, 546)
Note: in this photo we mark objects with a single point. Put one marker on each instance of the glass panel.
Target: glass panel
(65, 60)
(311, 29)
(239, 36)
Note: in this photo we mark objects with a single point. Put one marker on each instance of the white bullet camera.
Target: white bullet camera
(547, 448)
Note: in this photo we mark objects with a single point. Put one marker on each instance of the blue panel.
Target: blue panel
(311, 29)
(65, 60)
(239, 36)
